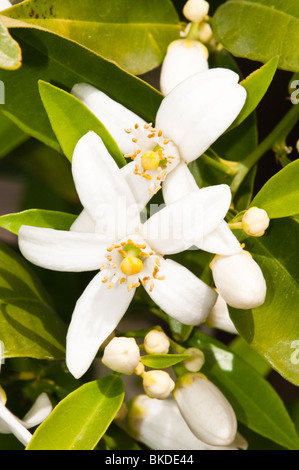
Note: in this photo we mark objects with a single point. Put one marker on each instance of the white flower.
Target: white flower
(157, 384)
(206, 410)
(196, 360)
(255, 221)
(219, 317)
(109, 236)
(239, 280)
(9, 423)
(4, 4)
(160, 426)
(122, 355)
(190, 118)
(156, 342)
(196, 10)
(184, 58)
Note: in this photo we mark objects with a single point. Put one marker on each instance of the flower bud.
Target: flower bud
(160, 426)
(205, 32)
(219, 317)
(255, 221)
(196, 360)
(185, 57)
(196, 10)
(156, 342)
(122, 355)
(239, 280)
(157, 384)
(206, 410)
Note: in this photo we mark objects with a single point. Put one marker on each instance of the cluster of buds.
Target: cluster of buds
(188, 55)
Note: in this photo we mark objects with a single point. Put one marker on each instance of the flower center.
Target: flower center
(154, 156)
(126, 263)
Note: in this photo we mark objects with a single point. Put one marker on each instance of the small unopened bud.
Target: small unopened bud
(157, 384)
(219, 317)
(122, 355)
(205, 32)
(156, 342)
(206, 410)
(255, 221)
(184, 57)
(196, 10)
(196, 360)
(139, 370)
(239, 280)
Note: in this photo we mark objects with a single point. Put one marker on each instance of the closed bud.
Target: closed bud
(239, 280)
(205, 32)
(185, 57)
(122, 355)
(156, 342)
(206, 410)
(196, 360)
(255, 221)
(160, 426)
(157, 384)
(219, 317)
(196, 10)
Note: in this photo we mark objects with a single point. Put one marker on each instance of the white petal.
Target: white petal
(97, 313)
(62, 251)
(102, 189)
(176, 227)
(239, 280)
(10, 424)
(112, 114)
(83, 223)
(220, 241)
(219, 317)
(206, 410)
(181, 294)
(178, 183)
(183, 59)
(197, 111)
(4, 4)
(39, 411)
(138, 185)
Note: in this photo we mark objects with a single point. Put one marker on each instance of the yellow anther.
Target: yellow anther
(150, 160)
(131, 265)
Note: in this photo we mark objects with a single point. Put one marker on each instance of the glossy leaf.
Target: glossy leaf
(10, 52)
(239, 346)
(279, 197)
(272, 328)
(130, 32)
(29, 326)
(255, 402)
(48, 52)
(10, 136)
(79, 421)
(71, 120)
(256, 85)
(162, 361)
(260, 30)
(37, 218)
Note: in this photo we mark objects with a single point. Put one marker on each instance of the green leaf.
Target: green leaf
(279, 197)
(71, 120)
(37, 218)
(272, 328)
(10, 136)
(239, 346)
(29, 326)
(132, 33)
(79, 421)
(48, 52)
(10, 52)
(256, 85)
(260, 30)
(256, 403)
(162, 361)
(117, 439)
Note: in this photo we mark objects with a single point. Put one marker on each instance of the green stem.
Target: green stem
(193, 32)
(279, 133)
